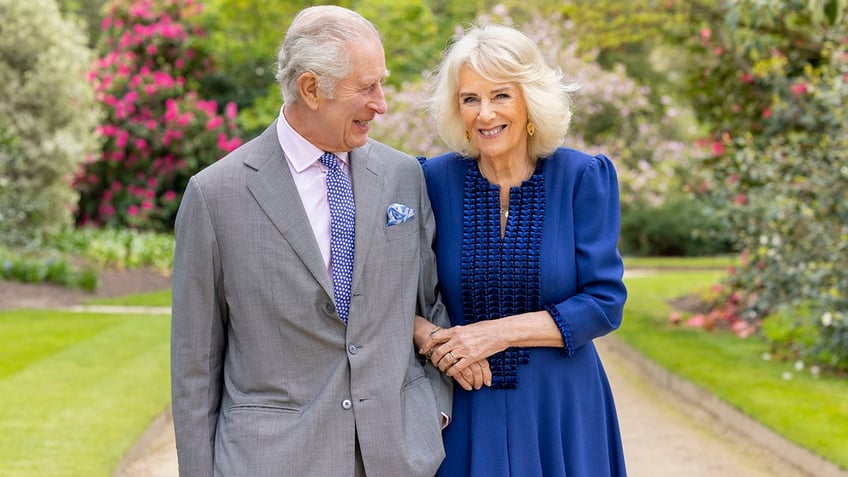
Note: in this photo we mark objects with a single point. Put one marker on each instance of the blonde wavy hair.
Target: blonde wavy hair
(502, 54)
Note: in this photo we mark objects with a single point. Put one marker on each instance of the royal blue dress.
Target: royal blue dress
(550, 411)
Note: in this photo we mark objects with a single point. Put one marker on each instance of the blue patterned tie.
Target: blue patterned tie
(342, 232)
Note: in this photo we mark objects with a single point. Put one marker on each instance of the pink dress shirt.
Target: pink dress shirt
(310, 178)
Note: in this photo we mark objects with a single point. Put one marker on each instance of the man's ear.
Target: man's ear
(307, 85)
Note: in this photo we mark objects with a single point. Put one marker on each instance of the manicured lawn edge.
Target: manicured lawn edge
(806, 410)
(78, 389)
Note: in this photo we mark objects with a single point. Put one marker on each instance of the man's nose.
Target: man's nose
(378, 103)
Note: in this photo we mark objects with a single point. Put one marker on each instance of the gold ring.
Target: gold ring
(452, 357)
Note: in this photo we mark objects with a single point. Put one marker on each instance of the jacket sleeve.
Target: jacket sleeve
(430, 303)
(198, 335)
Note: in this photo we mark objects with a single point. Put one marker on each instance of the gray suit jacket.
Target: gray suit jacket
(266, 379)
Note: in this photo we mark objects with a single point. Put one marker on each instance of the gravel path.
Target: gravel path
(664, 435)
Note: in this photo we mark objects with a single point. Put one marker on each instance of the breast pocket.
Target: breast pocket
(402, 230)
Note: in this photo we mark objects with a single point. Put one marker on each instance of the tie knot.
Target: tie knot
(329, 161)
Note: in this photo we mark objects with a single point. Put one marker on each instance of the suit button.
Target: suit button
(330, 308)
(346, 404)
(352, 349)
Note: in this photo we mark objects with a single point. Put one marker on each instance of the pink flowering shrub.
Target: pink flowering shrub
(158, 130)
(773, 89)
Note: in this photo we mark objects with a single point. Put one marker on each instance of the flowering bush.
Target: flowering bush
(772, 87)
(47, 115)
(158, 131)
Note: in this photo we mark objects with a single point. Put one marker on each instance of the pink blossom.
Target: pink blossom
(747, 77)
(169, 195)
(132, 210)
(697, 320)
(674, 317)
(230, 111)
(798, 89)
(146, 205)
(121, 138)
(742, 328)
(171, 110)
(767, 113)
(706, 33)
(740, 199)
(214, 123)
(184, 118)
(717, 148)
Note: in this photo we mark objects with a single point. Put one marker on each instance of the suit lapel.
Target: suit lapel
(368, 196)
(273, 188)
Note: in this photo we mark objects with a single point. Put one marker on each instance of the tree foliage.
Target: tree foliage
(413, 32)
(158, 129)
(47, 115)
(770, 79)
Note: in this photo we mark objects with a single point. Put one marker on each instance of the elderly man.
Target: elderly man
(302, 259)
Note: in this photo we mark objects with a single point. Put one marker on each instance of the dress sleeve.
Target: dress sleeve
(597, 307)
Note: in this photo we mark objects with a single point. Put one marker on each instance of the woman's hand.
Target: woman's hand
(457, 348)
(427, 338)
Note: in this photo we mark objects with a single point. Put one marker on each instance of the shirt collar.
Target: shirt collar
(300, 152)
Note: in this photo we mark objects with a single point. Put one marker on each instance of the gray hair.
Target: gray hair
(502, 54)
(318, 41)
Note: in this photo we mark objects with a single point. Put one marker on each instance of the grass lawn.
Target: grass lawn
(77, 389)
(807, 410)
(157, 298)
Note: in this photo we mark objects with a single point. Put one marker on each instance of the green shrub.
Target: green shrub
(47, 118)
(119, 248)
(678, 227)
(45, 267)
(807, 333)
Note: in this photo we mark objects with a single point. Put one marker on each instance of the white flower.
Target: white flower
(786, 375)
(766, 356)
(827, 319)
(799, 365)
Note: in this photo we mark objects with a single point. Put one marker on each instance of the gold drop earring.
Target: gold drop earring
(467, 136)
(531, 129)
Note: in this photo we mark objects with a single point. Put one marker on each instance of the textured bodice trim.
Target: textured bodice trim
(501, 275)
